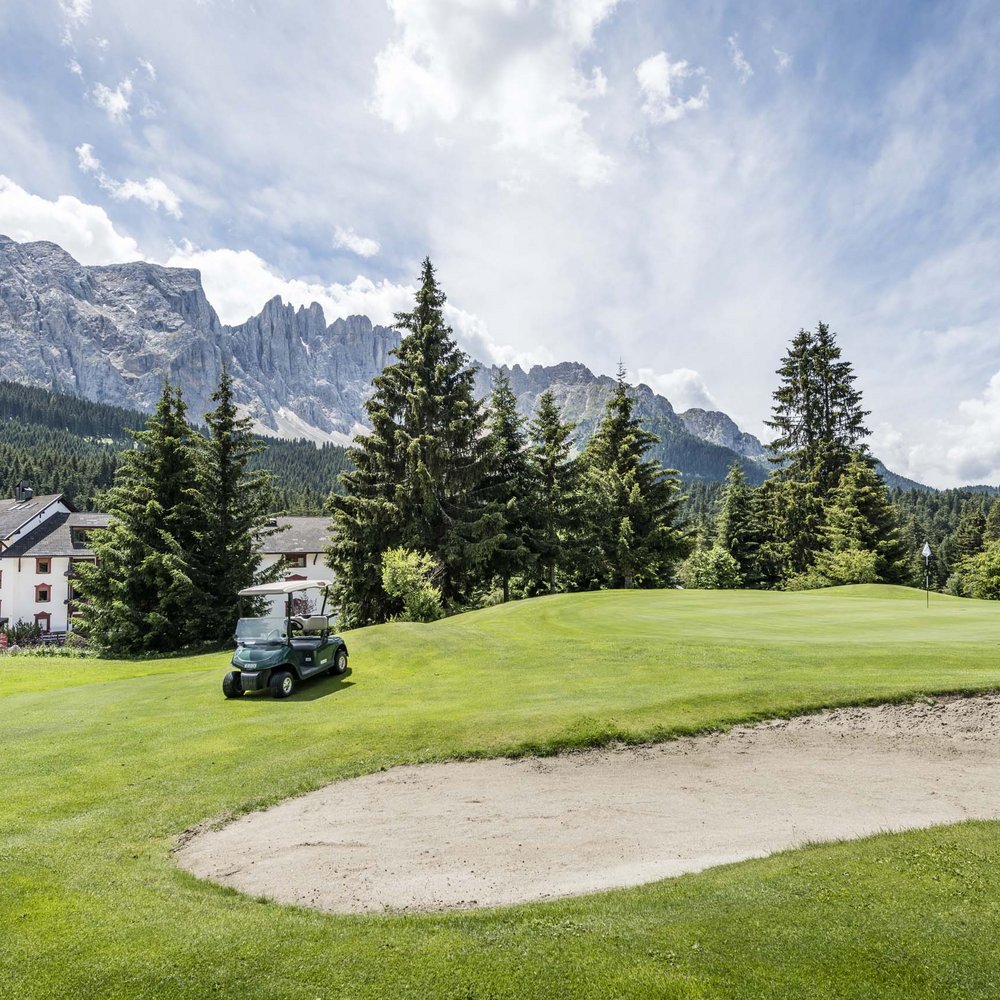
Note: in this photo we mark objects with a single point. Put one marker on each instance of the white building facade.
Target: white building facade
(43, 539)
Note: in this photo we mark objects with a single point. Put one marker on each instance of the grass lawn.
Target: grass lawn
(105, 763)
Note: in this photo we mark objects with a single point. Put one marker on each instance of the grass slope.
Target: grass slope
(106, 762)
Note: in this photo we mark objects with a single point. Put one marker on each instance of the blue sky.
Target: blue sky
(681, 186)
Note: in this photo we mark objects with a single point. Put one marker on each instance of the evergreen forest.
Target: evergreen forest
(64, 444)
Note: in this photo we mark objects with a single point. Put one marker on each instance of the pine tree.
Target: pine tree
(141, 595)
(633, 502)
(991, 529)
(791, 522)
(860, 518)
(970, 533)
(737, 526)
(513, 485)
(235, 511)
(420, 476)
(558, 481)
(817, 413)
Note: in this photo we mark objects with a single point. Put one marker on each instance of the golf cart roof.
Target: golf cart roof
(284, 587)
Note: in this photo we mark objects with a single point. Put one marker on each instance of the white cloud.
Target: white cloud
(684, 387)
(784, 60)
(115, 103)
(513, 66)
(363, 246)
(659, 79)
(960, 450)
(83, 230)
(743, 69)
(76, 11)
(75, 68)
(148, 67)
(152, 192)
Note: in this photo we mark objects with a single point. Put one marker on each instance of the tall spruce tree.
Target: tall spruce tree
(817, 413)
(236, 506)
(558, 482)
(142, 595)
(633, 502)
(819, 423)
(737, 526)
(420, 476)
(513, 486)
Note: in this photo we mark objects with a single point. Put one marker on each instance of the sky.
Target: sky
(678, 186)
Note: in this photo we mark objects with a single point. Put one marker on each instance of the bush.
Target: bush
(811, 579)
(710, 569)
(849, 566)
(979, 576)
(23, 633)
(408, 576)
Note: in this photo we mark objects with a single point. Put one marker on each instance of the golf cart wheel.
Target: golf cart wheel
(339, 662)
(231, 685)
(282, 684)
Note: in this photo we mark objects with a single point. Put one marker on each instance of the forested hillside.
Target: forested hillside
(63, 444)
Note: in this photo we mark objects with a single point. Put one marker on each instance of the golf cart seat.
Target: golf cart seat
(312, 623)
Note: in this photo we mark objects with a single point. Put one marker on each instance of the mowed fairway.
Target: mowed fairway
(104, 764)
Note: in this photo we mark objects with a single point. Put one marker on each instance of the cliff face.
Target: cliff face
(710, 425)
(113, 333)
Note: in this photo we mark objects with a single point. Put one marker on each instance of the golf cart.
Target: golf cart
(275, 652)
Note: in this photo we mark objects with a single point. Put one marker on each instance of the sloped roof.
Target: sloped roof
(15, 514)
(300, 534)
(54, 537)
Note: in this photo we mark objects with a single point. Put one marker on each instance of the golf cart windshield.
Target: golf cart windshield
(262, 629)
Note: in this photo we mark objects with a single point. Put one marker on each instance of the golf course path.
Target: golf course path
(488, 833)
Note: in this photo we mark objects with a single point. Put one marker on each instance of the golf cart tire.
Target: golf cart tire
(339, 663)
(282, 684)
(231, 685)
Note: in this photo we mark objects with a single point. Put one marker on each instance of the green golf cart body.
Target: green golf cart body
(276, 652)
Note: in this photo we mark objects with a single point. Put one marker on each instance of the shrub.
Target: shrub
(23, 633)
(811, 579)
(710, 569)
(408, 576)
(849, 566)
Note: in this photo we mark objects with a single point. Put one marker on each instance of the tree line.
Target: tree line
(453, 502)
(824, 516)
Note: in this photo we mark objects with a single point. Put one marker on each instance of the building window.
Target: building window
(43, 593)
(297, 560)
(43, 619)
(43, 566)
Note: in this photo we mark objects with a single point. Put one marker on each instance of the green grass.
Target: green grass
(105, 763)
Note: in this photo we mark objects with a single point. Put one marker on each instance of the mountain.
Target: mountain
(111, 334)
(720, 429)
(582, 395)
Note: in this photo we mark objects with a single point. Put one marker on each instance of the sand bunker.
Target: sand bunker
(488, 833)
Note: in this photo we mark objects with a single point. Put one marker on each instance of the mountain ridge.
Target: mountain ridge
(112, 333)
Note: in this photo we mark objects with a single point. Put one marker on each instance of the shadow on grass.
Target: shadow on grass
(308, 690)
